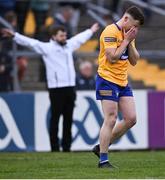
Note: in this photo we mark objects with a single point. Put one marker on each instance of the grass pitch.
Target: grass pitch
(82, 165)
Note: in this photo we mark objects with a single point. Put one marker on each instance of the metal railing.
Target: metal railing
(97, 18)
(98, 9)
(142, 4)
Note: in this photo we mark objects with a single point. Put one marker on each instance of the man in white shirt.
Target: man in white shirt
(57, 55)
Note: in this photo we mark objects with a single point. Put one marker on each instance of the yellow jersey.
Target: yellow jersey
(112, 37)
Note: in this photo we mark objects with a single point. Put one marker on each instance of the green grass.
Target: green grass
(81, 165)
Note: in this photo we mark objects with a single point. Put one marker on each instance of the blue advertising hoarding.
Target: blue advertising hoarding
(17, 122)
(24, 120)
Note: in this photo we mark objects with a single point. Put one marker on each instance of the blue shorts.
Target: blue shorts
(110, 91)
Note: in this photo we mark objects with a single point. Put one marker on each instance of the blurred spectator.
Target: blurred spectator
(5, 73)
(7, 45)
(76, 7)
(6, 5)
(63, 17)
(6, 63)
(40, 9)
(85, 79)
(11, 18)
(75, 17)
(22, 63)
(22, 8)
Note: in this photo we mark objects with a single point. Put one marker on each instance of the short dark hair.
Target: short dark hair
(136, 13)
(55, 29)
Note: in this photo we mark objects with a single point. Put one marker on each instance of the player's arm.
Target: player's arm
(114, 54)
(20, 39)
(133, 54)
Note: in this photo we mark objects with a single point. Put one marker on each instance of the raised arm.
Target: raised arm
(76, 41)
(34, 44)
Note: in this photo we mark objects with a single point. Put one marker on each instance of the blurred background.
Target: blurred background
(24, 69)
(22, 72)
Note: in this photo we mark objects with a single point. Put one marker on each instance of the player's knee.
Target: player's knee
(131, 121)
(110, 123)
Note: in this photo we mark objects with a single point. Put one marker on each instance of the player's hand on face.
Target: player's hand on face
(7, 32)
(131, 34)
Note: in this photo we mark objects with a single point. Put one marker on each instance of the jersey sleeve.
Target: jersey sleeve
(109, 38)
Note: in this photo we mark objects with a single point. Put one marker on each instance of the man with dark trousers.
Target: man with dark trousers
(57, 55)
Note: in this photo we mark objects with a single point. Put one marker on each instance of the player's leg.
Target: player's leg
(110, 114)
(106, 92)
(127, 108)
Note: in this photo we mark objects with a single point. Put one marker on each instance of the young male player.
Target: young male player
(117, 51)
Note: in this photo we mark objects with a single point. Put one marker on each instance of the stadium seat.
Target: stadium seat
(149, 73)
(89, 46)
(30, 24)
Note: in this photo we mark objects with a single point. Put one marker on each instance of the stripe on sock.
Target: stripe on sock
(101, 162)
